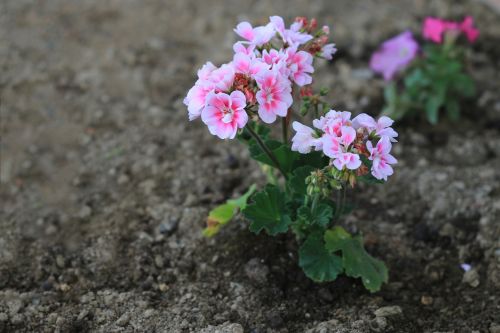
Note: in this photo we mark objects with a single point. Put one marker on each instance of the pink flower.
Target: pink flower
(300, 66)
(293, 37)
(222, 78)
(276, 59)
(239, 47)
(328, 51)
(247, 65)
(337, 148)
(224, 113)
(205, 71)
(210, 78)
(332, 122)
(467, 27)
(394, 55)
(195, 99)
(257, 36)
(349, 160)
(382, 160)
(434, 28)
(381, 127)
(303, 141)
(274, 96)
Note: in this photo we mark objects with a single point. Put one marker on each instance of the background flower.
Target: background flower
(394, 55)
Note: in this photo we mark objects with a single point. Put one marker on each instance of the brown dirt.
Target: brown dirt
(105, 185)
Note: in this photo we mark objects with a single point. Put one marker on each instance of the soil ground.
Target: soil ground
(105, 185)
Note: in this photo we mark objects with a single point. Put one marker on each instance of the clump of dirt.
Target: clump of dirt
(105, 185)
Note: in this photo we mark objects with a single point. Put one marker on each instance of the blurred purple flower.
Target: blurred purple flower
(466, 267)
(394, 55)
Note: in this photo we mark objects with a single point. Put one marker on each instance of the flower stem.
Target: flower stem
(266, 150)
(284, 128)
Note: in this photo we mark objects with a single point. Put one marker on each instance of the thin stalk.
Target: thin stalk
(344, 195)
(315, 203)
(284, 129)
(338, 202)
(266, 150)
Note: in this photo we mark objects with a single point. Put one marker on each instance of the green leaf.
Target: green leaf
(242, 201)
(297, 182)
(222, 214)
(453, 109)
(464, 85)
(319, 264)
(313, 159)
(268, 211)
(283, 153)
(321, 215)
(356, 261)
(432, 108)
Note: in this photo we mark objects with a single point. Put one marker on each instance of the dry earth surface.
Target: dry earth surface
(105, 185)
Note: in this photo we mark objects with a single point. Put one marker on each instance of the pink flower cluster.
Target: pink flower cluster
(434, 29)
(265, 66)
(395, 54)
(345, 140)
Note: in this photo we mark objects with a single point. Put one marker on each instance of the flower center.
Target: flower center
(227, 115)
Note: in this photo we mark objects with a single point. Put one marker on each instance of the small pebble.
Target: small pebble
(123, 320)
(426, 300)
(471, 277)
(387, 311)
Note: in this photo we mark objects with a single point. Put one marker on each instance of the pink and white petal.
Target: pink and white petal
(390, 159)
(241, 118)
(364, 120)
(279, 24)
(354, 161)
(338, 163)
(348, 135)
(245, 30)
(369, 147)
(384, 122)
(266, 115)
(238, 100)
(210, 115)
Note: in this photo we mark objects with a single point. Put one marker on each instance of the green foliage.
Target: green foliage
(297, 182)
(301, 201)
(356, 261)
(268, 211)
(222, 214)
(284, 155)
(318, 263)
(436, 82)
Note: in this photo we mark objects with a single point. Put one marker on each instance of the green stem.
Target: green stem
(315, 203)
(284, 128)
(266, 150)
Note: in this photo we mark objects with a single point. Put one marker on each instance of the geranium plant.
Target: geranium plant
(427, 78)
(309, 174)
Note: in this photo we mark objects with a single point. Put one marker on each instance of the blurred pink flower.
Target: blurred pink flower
(274, 95)
(300, 66)
(303, 141)
(328, 51)
(434, 28)
(381, 127)
(224, 114)
(382, 160)
(247, 64)
(394, 55)
(257, 36)
(467, 27)
(293, 37)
